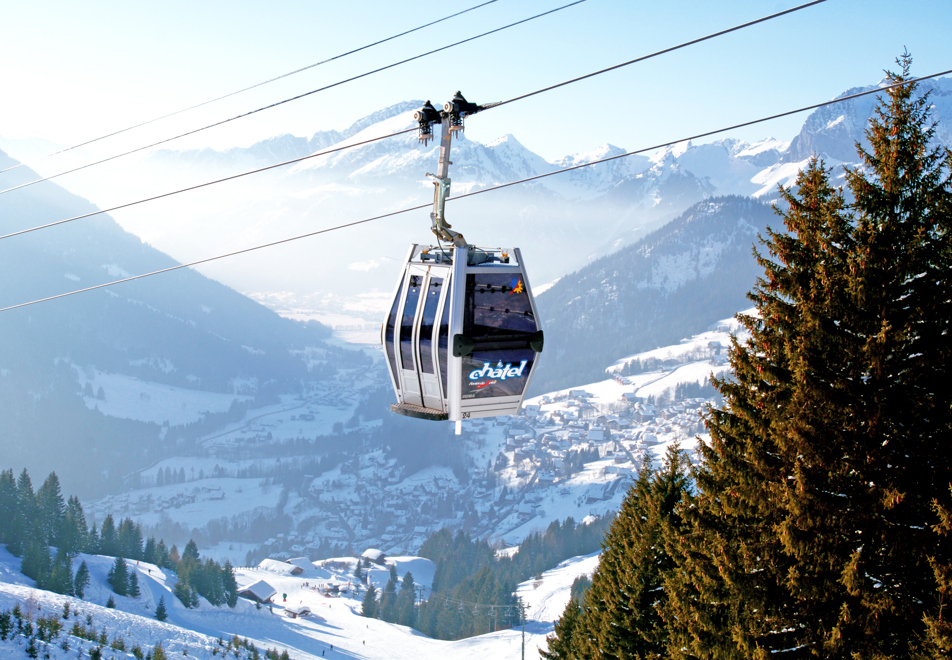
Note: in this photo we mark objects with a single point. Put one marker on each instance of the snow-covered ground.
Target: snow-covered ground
(334, 630)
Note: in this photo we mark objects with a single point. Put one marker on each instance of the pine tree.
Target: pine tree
(8, 505)
(61, 575)
(75, 533)
(149, 552)
(160, 612)
(92, 546)
(938, 636)
(133, 588)
(230, 585)
(24, 515)
(388, 599)
(118, 577)
(129, 539)
(621, 613)
(811, 525)
(51, 510)
(36, 561)
(108, 540)
(562, 643)
(368, 607)
(81, 580)
(406, 601)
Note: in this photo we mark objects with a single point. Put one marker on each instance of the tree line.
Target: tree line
(31, 523)
(817, 522)
(473, 589)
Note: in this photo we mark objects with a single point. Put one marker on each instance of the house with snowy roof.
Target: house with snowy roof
(279, 567)
(259, 591)
(375, 556)
(300, 562)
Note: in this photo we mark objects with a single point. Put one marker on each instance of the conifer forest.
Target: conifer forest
(817, 521)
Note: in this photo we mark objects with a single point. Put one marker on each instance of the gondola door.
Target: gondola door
(429, 339)
(407, 336)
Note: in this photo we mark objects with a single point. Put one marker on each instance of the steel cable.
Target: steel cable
(256, 85)
(478, 192)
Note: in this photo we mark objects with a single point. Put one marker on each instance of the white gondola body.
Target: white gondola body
(461, 340)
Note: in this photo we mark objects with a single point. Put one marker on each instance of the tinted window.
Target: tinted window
(427, 324)
(406, 324)
(497, 307)
(444, 339)
(391, 322)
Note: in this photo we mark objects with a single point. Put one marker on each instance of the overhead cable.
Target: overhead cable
(296, 98)
(662, 52)
(321, 153)
(485, 190)
(208, 183)
(256, 85)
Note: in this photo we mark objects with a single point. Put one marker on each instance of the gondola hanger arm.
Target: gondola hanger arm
(451, 120)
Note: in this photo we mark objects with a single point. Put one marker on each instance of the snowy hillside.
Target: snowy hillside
(673, 282)
(334, 629)
(94, 384)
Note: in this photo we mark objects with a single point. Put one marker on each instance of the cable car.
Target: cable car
(462, 337)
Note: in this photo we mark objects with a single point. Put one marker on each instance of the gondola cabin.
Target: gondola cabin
(463, 337)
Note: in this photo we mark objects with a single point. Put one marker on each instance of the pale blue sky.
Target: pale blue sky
(74, 70)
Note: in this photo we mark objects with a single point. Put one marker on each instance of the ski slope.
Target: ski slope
(334, 630)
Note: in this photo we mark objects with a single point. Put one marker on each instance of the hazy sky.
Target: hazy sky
(75, 70)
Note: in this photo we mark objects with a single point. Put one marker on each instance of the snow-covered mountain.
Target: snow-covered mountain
(671, 283)
(91, 384)
(562, 222)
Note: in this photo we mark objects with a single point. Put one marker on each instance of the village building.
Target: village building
(259, 591)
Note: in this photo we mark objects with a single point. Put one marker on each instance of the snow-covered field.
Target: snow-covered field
(335, 628)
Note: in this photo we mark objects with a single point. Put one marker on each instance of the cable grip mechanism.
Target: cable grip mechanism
(452, 120)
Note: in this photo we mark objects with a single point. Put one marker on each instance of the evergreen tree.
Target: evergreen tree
(230, 585)
(562, 643)
(133, 588)
(406, 600)
(183, 592)
(36, 561)
(51, 510)
(621, 613)
(61, 575)
(368, 607)
(162, 555)
(388, 599)
(75, 533)
(811, 526)
(81, 580)
(190, 554)
(8, 505)
(160, 612)
(118, 577)
(108, 539)
(92, 541)
(150, 553)
(129, 539)
(938, 637)
(24, 515)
